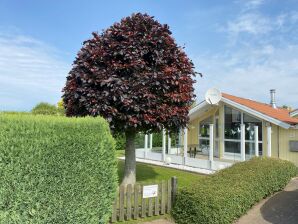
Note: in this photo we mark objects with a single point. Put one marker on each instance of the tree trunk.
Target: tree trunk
(130, 159)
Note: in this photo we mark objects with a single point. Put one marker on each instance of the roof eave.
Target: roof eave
(294, 113)
(196, 109)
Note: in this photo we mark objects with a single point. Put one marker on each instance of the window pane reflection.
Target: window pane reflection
(232, 123)
(232, 147)
(250, 123)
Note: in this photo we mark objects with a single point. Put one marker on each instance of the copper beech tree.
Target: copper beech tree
(134, 75)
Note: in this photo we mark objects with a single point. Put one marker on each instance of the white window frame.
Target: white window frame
(237, 140)
(199, 131)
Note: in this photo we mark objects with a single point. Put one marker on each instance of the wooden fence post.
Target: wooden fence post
(163, 198)
(174, 189)
(169, 196)
(121, 204)
(136, 202)
(128, 202)
(115, 209)
(143, 210)
(150, 207)
(156, 205)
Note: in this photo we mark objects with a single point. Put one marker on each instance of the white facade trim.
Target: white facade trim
(256, 140)
(242, 144)
(269, 131)
(197, 108)
(294, 113)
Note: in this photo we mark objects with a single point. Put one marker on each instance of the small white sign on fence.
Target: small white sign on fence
(150, 191)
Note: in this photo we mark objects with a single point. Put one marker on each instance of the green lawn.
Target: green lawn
(151, 174)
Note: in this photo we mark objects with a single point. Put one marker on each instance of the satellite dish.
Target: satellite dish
(213, 96)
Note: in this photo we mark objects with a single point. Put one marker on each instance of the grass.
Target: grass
(147, 173)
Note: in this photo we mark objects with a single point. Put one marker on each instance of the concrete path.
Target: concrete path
(281, 208)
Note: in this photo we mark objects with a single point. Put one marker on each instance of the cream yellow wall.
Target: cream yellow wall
(194, 126)
(284, 149)
(193, 132)
(280, 138)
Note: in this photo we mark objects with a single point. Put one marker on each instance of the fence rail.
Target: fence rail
(130, 203)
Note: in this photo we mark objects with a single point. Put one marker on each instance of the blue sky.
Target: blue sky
(243, 47)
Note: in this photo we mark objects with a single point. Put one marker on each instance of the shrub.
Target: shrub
(228, 194)
(120, 141)
(47, 109)
(60, 107)
(56, 169)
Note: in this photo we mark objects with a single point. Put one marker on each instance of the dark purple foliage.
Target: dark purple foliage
(134, 75)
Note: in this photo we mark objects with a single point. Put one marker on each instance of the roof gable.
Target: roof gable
(280, 114)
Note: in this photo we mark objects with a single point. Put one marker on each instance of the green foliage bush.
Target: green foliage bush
(120, 141)
(47, 109)
(230, 193)
(56, 169)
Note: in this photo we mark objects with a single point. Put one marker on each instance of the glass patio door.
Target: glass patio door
(204, 136)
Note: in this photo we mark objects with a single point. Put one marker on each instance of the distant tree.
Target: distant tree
(287, 107)
(47, 109)
(60, 107)
(44, 109)
(134, 75)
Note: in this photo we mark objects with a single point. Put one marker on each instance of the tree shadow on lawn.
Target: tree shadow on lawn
(282, 208)
(145, 172)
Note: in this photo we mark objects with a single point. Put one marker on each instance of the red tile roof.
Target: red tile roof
(277, 113)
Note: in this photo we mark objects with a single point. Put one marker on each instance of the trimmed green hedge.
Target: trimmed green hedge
(56, 170)
(230, 193)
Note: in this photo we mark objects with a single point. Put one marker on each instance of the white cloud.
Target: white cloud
(30, 71)
(252, 23)
(261, 54)
(251, 72)
(252, 4)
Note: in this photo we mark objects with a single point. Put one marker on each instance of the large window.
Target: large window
(232, 132)
(204, 134)
(250, 123)
(232, 123)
